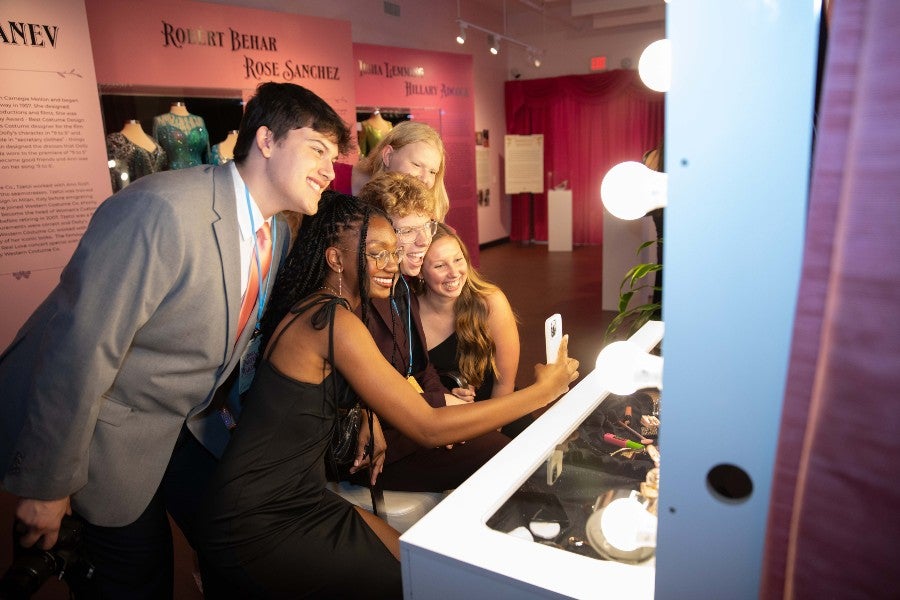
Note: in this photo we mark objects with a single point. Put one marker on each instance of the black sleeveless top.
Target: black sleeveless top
(443, 357)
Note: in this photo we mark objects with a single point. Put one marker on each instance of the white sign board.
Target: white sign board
(524, 164)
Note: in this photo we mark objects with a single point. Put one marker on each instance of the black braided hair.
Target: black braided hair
(304, 269)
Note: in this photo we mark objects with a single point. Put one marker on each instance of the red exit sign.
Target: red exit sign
(598, 63)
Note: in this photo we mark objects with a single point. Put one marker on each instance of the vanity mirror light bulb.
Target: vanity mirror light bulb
(630, 190)
(655, 66)
(627, 526)
(627, 368)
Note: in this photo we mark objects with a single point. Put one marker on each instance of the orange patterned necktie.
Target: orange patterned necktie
(264, 248)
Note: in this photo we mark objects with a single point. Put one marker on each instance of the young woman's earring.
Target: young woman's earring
(340, 282)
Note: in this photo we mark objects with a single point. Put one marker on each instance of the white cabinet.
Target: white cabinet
(559, 220)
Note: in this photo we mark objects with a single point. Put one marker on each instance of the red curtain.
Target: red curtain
(834, 518)
(590, 123)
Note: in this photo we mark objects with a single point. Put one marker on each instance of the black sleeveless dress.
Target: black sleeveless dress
(272, 529)
(443, 357)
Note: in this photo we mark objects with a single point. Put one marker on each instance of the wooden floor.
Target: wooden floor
(537, 282)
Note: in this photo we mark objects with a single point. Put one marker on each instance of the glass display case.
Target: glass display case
(566, 510)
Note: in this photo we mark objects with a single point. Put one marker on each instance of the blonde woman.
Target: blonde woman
(412, 148)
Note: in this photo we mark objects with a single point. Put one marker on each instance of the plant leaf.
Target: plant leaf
(645, 245)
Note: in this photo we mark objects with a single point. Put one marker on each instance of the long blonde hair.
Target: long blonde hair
(475, 349)
(404, 133)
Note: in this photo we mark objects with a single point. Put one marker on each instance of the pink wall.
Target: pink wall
(172, 47)
(53, 169)
(438, 89)
(176, 47)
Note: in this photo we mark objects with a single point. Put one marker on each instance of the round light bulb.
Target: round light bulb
(630, 190)
(627, 526)
(627, 368)
(655, 66)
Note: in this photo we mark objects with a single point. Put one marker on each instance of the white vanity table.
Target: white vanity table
(452, 553)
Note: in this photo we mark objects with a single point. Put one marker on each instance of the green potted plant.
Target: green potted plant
(642, 276)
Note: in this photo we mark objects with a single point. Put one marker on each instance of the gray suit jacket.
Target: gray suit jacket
(131, 345)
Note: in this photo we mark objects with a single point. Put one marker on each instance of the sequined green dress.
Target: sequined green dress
(184, 138)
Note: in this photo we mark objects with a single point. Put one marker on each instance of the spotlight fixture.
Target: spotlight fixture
(535, 55)
(461, 38)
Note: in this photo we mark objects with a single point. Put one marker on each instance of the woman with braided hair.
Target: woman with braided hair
(273, 529)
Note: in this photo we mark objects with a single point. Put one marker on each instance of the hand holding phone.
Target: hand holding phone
(553, 336)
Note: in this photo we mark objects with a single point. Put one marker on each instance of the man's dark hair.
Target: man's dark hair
(285, 106)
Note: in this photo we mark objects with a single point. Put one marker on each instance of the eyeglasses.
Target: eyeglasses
(407, 235)
(382, 258)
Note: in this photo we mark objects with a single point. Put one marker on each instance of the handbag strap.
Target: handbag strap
(376, 492)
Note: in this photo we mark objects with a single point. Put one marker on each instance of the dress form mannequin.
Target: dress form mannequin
(183, 136)
(137, 136)
(222, 152)
(133, 154)
(179, 109)
(371, 131)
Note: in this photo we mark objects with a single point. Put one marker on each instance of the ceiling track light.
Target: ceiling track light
(535, 55)
(494, 43)
(461, 37)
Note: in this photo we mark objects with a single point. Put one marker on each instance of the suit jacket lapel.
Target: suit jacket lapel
(226, 232)
(395, 327)
(279, 252)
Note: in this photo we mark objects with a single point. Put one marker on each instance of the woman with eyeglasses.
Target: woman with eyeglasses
(397, 328)
(413, 148)
(271, 528)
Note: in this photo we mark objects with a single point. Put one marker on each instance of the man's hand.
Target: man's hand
(466, 394)
(38, 521)
(453, 399)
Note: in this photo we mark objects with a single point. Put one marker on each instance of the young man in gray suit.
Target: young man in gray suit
(118, 392)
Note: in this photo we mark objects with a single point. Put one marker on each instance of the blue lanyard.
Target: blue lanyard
(263, 289)
(408, 321)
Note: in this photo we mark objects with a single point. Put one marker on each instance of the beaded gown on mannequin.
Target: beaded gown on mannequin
(222, 152)
(183, 136)
(134, 154)
(372, 130)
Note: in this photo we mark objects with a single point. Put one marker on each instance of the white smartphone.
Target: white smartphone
(553, 336)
